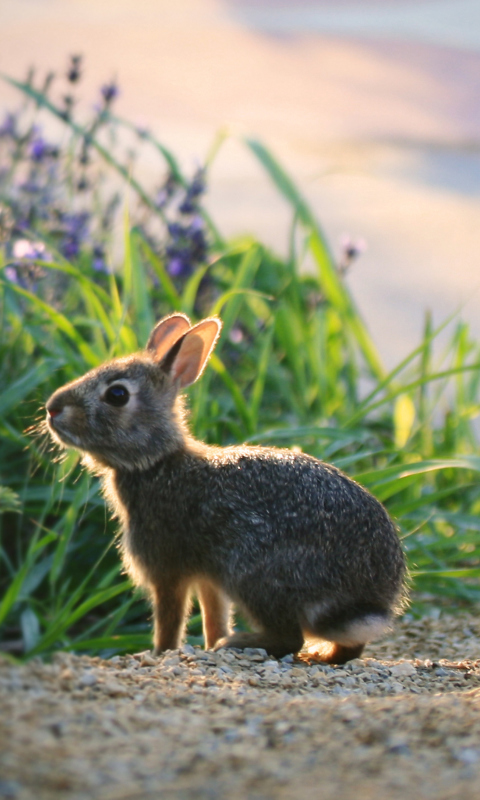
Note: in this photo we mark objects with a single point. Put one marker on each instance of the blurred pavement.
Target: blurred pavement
(372, 106)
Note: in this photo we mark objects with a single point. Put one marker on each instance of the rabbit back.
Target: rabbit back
(283, 534)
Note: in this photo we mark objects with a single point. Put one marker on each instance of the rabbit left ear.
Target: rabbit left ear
(166, 333)
(187, 358)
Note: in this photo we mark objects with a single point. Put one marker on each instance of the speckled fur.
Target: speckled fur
(300, 547)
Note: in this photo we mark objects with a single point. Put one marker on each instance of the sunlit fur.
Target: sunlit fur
(41, 432)
(301, 548)
(130, 437)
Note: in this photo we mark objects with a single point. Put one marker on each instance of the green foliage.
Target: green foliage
(295, 367)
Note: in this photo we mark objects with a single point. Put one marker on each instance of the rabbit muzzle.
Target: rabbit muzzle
(56, 412)
(60, 419)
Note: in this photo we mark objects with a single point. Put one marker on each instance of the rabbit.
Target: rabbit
(301, 548)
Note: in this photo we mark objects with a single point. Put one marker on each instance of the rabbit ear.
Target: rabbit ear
(187, 359)
(166, 333)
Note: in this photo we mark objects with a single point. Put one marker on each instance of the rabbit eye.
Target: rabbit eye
(117, 395)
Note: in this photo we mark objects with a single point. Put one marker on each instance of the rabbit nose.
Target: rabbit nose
(53, 408)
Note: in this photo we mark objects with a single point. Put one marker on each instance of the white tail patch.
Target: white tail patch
(357, 631)
(360, 631)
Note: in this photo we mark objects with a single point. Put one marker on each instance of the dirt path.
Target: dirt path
(401, 722)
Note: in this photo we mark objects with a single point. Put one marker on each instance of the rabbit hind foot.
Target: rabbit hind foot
(334, 653)
(276, 645)
(344, 639)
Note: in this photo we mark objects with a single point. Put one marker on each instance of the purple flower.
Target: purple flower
(21, 223)
(75, 231)
(77, 223)
(187, 206)
(41, 149)
(11, 274)
(187, 246)
(142, 132)
(75, 226)
(161, 198)
(8, 128)
(166, 192)
(194, 190)
(177, 267)
(198, 184)
(197, 224)
(70, 247)
(198, 247)
(24, 274)
(38, 149)
(236, 335)
(98, 261)
(109, 92)
(176, 230)
(351, 249)
(68, 104)
(30, 186)
(74, 72)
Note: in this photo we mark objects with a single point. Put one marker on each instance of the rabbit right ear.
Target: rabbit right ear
(187, 358)
(165, 333)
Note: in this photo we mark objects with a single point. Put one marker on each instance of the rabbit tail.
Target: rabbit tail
(344, 635)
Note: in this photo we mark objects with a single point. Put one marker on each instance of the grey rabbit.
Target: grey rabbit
(301, 548)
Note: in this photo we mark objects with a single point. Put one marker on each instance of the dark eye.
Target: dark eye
(117, 395)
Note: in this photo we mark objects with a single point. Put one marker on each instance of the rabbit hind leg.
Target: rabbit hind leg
(276, 643)
(216, 616)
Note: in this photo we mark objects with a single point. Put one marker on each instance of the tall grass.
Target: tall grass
(295, 367)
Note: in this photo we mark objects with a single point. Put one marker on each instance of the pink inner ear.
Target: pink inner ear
(166, 333)
(189, 363)
(194, 352)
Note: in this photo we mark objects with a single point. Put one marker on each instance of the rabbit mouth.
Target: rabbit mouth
(62, 436)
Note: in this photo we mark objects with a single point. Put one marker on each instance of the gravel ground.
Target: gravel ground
(401, 722)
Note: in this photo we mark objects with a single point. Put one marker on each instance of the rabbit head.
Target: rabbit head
(125, 414)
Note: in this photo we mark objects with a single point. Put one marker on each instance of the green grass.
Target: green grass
(295, 367)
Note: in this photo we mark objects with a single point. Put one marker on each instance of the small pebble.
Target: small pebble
(148, 661)
(88, 679)
(403, 669)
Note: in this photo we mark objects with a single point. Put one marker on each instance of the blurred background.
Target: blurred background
(372, 106)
